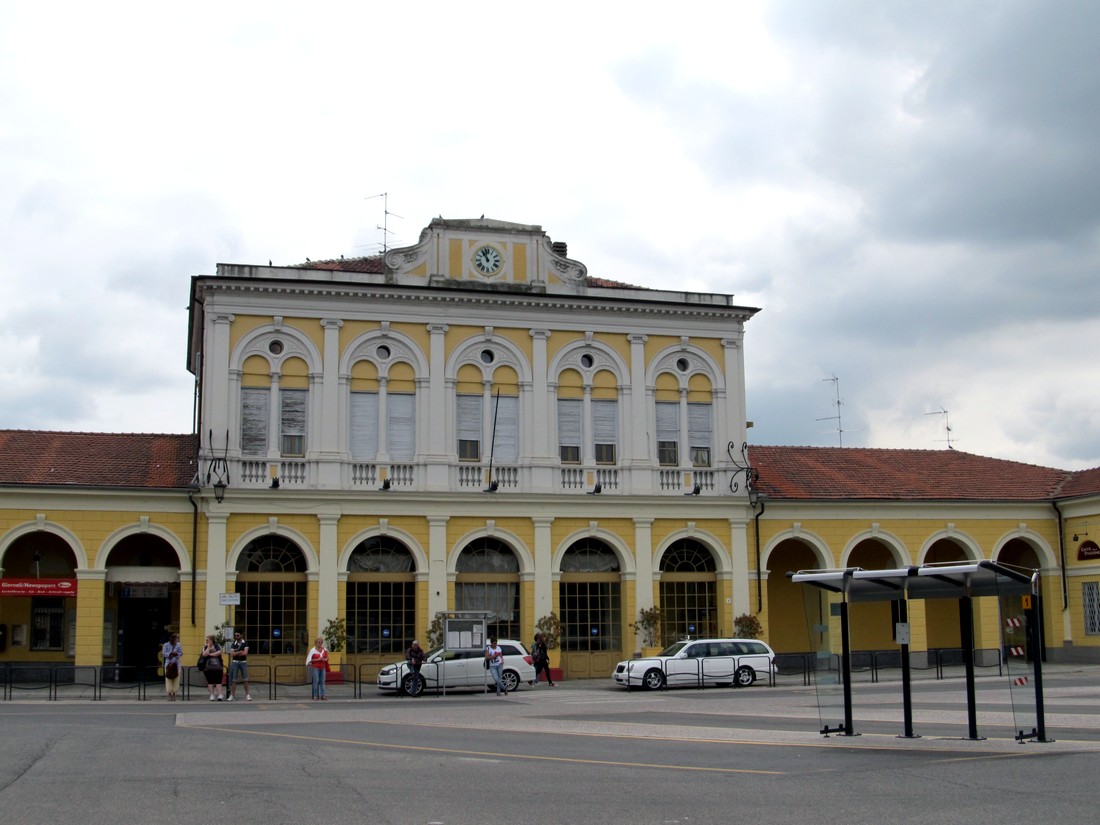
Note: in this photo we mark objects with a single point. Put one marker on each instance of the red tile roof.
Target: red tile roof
(32, 457)
(846, 473)
(1081, 483)
(35, 458)
(371, 264)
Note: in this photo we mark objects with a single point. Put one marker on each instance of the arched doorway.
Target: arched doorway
(143, 591)
(590, 600)
(41, 628)
(788, 631)
(272, 615)
(941, 616)
(487, 578)
(870, 625)
(689, 592)
(1018, 553)
(380, 605)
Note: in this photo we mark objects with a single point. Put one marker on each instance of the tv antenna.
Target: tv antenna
(385, 225)
(837, 403)
(946, 425)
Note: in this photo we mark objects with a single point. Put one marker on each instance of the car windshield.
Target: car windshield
(673, 649)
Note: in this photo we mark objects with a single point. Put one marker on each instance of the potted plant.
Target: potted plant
(435, 632)
(747, 626)
(335, 634)
(550, 626)
(648, 630)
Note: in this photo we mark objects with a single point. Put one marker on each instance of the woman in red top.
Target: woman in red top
(317, 665)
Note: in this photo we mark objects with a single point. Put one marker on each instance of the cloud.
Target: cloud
(905, 190)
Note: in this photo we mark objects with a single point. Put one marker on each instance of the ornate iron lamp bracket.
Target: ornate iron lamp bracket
(742, 465)
(217, 471)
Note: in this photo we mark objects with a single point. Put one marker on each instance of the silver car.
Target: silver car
(460, 669)
(699, 662)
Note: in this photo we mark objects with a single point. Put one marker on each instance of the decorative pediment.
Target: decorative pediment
(489, 253)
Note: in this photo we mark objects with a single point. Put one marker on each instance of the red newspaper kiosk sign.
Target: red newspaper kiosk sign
(63, 588)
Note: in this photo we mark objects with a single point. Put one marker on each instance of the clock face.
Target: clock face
(487, 260)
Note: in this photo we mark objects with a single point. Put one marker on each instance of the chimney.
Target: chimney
(560, 248)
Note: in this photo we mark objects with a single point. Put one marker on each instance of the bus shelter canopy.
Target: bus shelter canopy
(949, 580)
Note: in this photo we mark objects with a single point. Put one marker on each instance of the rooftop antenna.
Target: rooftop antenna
(385, 225)
(836, 418)
(946, 425)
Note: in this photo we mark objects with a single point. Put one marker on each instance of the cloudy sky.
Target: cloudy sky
(909, 191)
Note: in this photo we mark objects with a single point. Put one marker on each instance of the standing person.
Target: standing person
(172, 652)
(238, 667)
(213, 669)
(495, 657)
(317, 665)
(415, 658)
(540, 655)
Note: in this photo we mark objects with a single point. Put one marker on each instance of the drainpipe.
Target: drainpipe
(194, 549)
(759, 573)
(1062, 554)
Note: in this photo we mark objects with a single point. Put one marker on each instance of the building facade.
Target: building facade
(476, 423)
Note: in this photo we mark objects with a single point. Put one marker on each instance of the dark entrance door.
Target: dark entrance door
(142, 616)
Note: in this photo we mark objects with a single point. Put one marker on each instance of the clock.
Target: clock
(487, 260)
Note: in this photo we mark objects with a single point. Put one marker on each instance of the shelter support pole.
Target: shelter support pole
(1034, 620)
(906, 673)
(966, 632)
(846, 667)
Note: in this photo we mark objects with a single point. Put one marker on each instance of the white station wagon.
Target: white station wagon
(461, 669)
(694, 662)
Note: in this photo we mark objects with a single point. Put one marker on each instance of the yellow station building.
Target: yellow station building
(476, 423)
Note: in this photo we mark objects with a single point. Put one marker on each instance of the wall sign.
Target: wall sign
(1088, 551)
(65, 588)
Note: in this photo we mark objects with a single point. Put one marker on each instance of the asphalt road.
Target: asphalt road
(581, 752)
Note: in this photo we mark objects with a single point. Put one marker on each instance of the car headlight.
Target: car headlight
(387, 671)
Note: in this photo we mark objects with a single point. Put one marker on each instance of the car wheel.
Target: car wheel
(744, 676)
(411, 686)
(653, 679)
(510, 680)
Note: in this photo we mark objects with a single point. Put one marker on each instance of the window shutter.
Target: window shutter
(468, 421)
(401, 428)
(700, 433)
(605, 422)
(363, 433)
(668, 421)
(505, 449)
(254, 407)
(605, 430)
(293, 421)
(699, 425)
(569, 422)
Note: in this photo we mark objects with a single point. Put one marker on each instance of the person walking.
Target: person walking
(317, 665)
(540, 656)
(414, 656)
(172, 652)
(238, 667)
(213, 668)
(495, 657)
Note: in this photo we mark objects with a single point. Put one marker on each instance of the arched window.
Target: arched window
(488, 579)
(271, 579)
(590, 597)
(689, 601)
(380, 607)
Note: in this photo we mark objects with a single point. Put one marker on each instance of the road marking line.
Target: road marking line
(491, 755)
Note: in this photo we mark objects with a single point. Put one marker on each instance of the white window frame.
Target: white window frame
(293, 421)
(668, 433)
(468, 426)
(255, 405)
(570, 430)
